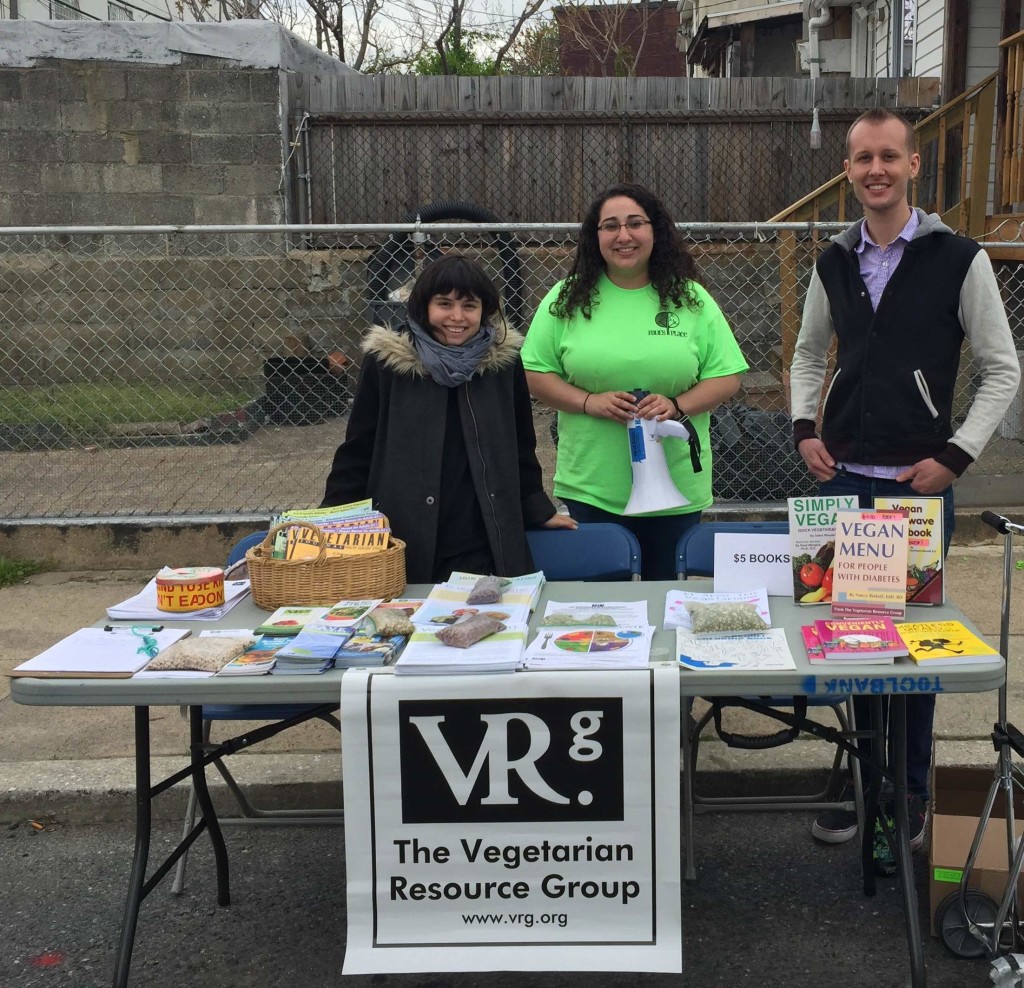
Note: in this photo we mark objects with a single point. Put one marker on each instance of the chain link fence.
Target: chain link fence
(207, 372)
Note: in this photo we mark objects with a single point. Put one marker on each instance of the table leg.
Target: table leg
(872, 791)
(689, 862)
(197, 749)
(140, 859)
(898, 718)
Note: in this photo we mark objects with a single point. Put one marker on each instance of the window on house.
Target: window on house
(65, 10)
(115, 12)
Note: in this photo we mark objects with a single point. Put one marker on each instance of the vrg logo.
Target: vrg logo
(542, 758)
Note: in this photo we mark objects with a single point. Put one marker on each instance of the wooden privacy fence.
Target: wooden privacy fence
(377, 149)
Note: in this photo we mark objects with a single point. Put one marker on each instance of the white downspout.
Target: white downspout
(814, 25)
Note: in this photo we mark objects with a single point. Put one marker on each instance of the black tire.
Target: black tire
(952, 923)
(393, 264)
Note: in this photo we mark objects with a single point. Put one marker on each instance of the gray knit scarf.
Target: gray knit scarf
(450, 366)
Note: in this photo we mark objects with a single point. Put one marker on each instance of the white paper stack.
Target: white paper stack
(142, 607)
(599, 647)
(446, 602)
(424, 655)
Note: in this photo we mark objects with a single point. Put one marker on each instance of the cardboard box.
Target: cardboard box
(958, 797)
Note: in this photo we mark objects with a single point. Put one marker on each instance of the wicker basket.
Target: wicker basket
(325, 579)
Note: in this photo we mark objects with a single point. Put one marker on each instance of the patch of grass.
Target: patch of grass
(91, 407)
(15, 570)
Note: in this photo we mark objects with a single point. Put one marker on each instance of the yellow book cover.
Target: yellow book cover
(924, 546)
(933, 643)
(303, 545)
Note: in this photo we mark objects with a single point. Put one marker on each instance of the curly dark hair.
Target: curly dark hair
(463, 276)
(672, 269)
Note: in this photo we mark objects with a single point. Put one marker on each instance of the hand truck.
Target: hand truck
(972, 923)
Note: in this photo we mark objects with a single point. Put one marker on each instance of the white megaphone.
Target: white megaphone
(653, 487)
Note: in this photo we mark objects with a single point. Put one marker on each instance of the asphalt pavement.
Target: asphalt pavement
(770, 909)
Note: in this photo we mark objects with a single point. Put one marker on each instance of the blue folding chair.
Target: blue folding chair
(695, 556)
(284, 715)
(592, 552)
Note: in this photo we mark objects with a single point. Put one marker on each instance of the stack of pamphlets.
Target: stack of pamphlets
(258, 659)
(446, 602)
(368, 649)
(142, 607)
(586, 635)
(347, 528)
(313, 649)
(424, 655)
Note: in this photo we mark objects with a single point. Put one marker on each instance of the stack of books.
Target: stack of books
(864, 640)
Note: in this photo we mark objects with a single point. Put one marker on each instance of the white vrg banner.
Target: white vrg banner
(525, 822)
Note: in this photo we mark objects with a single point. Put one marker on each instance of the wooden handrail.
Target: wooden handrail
(976, 104)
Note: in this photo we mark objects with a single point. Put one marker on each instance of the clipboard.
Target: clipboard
(99, 653)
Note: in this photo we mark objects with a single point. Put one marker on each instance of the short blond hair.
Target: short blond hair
(879, 115)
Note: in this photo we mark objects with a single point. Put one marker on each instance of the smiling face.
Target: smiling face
(880, 167)
(453, 319)
(626, 252)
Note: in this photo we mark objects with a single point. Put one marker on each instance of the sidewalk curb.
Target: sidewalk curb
(103, 790)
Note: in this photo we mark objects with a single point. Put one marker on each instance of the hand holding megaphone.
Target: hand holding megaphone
(653, 487)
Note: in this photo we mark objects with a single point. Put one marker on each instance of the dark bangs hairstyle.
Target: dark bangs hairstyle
(672, 268)
(458, 274)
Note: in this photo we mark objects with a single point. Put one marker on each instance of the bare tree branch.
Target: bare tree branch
(612, 34)
(530, 8)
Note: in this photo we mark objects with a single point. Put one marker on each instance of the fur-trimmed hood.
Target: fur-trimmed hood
(395, 350)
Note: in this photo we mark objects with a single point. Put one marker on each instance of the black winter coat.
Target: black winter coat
(395, 437)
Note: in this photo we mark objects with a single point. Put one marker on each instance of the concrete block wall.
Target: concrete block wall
(100, 143)
(172, 318)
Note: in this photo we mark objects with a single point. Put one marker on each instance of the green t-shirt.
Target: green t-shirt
(629, 342)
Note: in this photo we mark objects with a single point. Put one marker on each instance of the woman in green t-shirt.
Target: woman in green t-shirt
(631, 315)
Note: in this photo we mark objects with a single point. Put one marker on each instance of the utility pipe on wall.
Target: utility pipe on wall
(814, 25)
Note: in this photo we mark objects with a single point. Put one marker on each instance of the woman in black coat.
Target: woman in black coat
(441, 435)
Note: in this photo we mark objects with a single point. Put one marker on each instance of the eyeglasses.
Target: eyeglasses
(633, 224)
